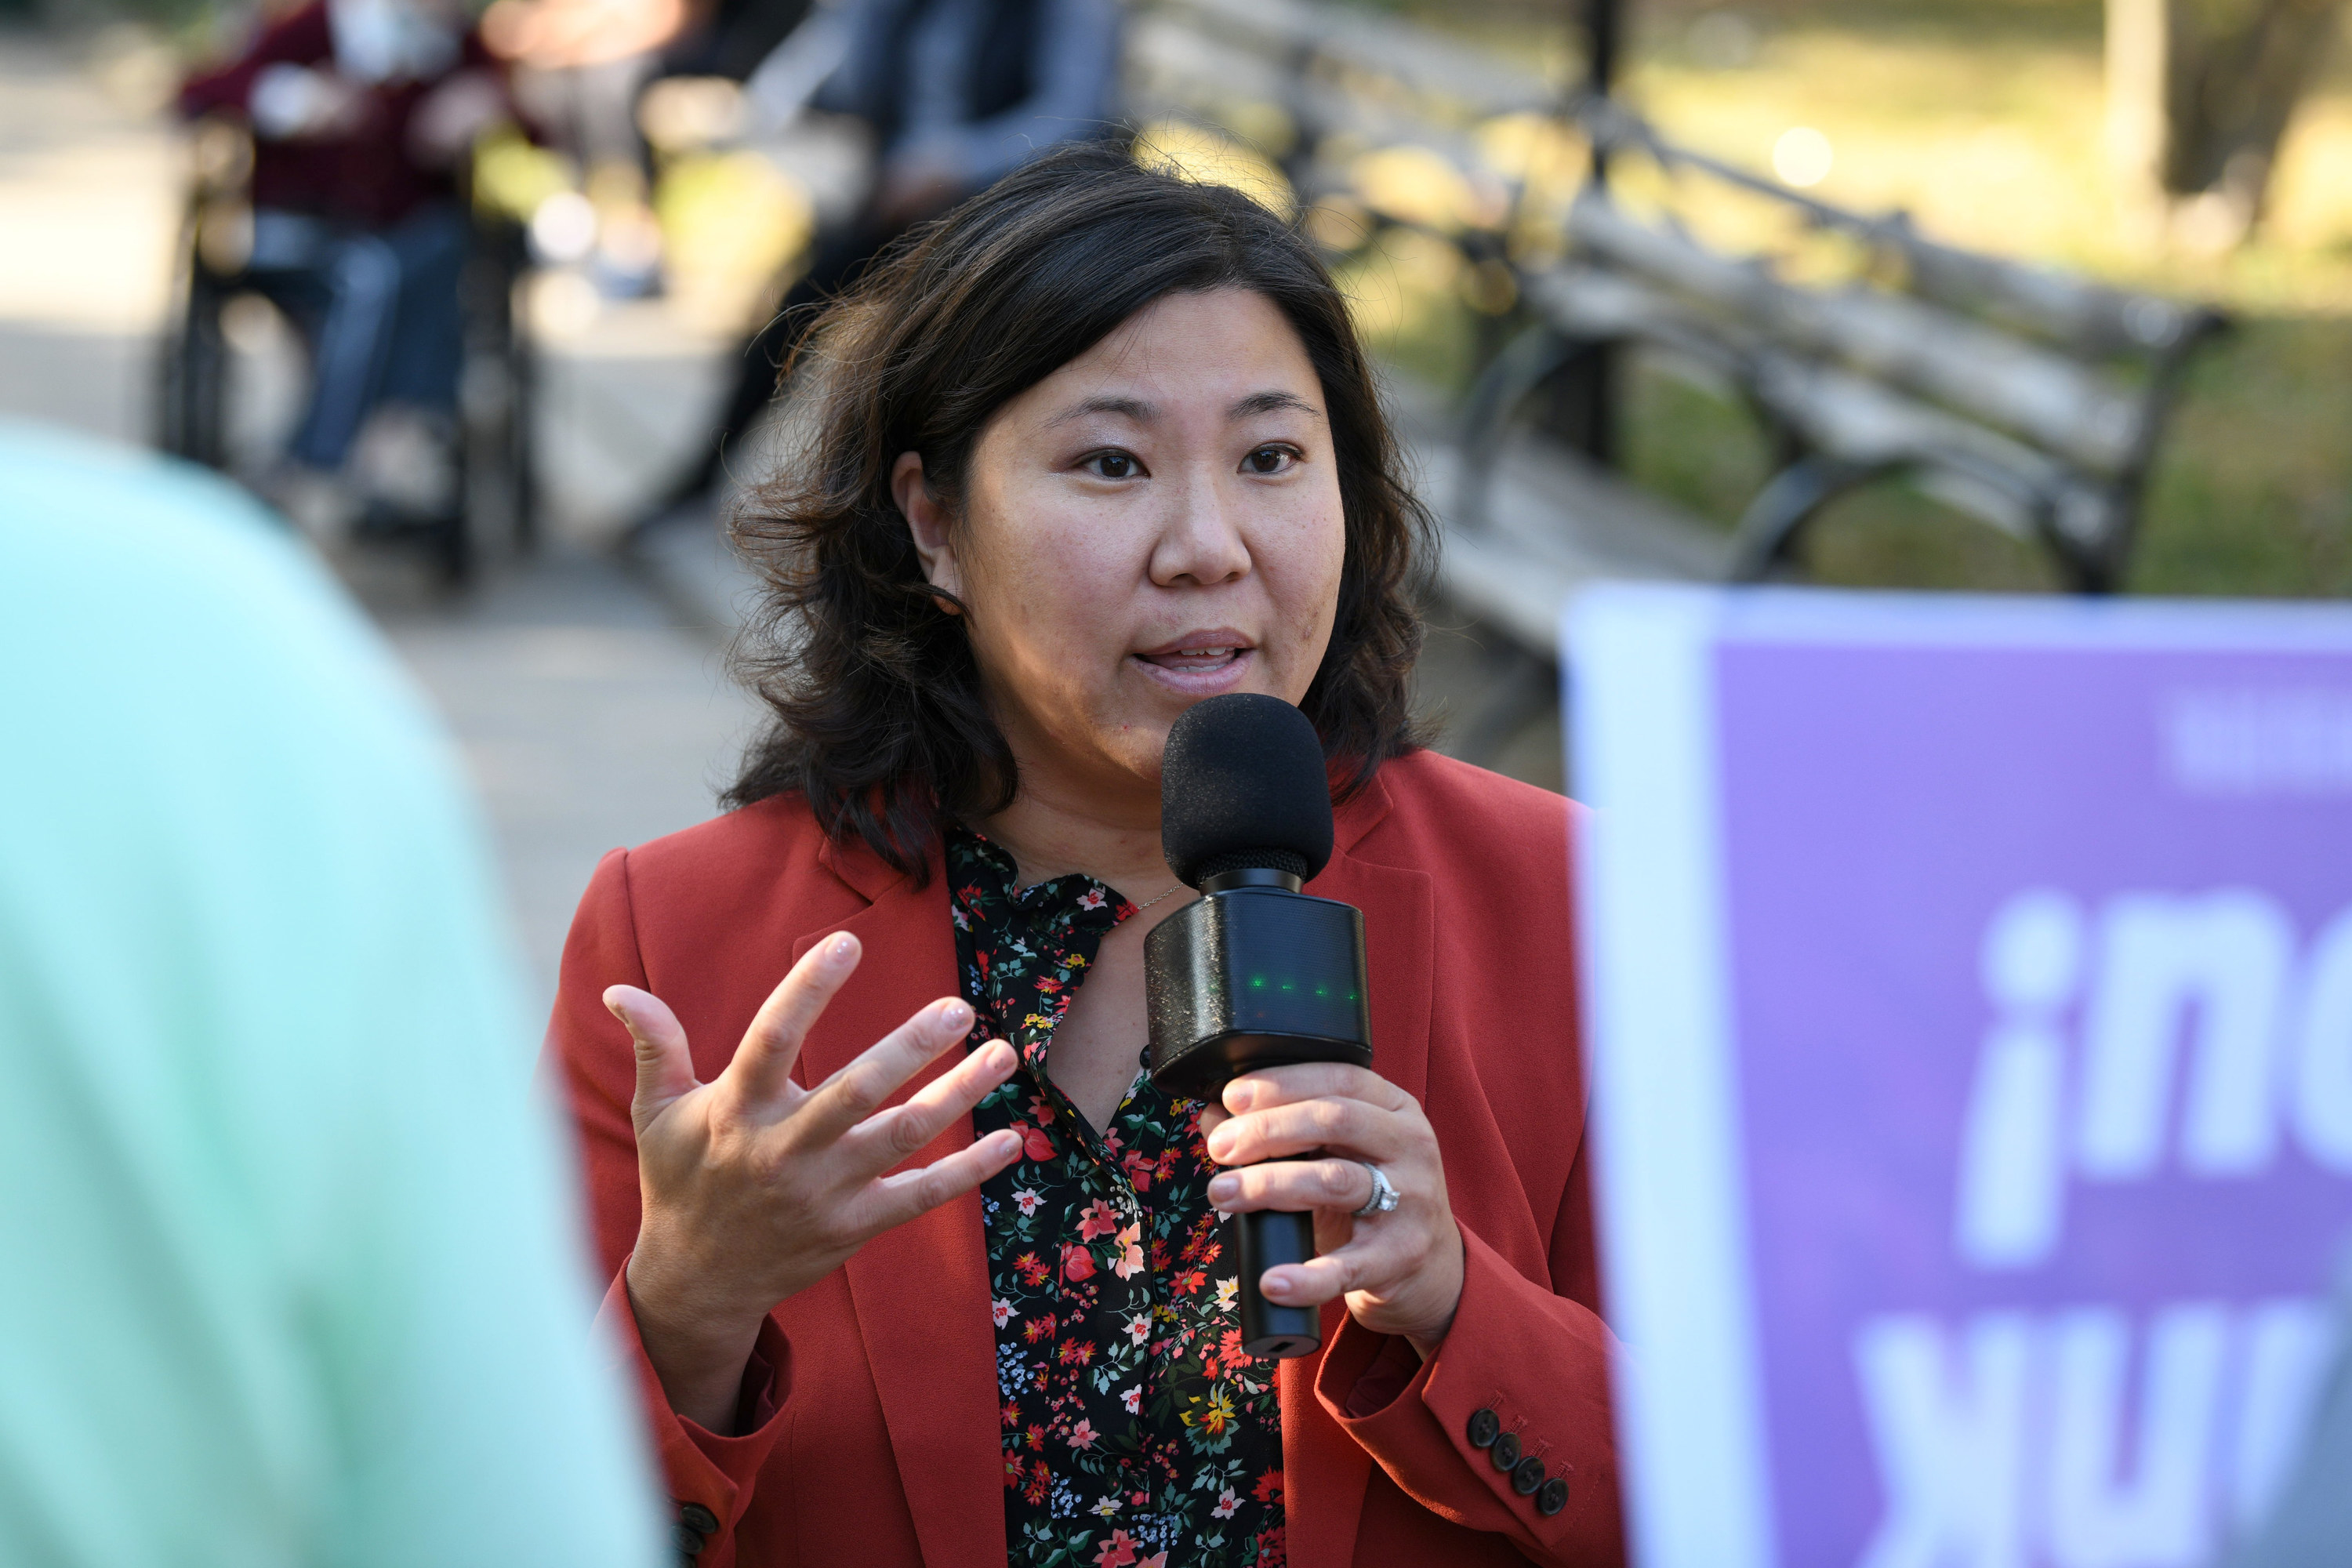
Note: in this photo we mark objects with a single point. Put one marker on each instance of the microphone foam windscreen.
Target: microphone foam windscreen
(1243, 784)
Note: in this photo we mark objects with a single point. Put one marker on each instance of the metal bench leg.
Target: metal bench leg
(2089, 567)
(1770, 527)
(1529, 361)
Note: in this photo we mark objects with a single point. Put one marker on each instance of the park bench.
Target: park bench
(2023, 397)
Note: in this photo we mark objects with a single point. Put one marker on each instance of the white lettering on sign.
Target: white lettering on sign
(2264, 741)
(2116, 1504)
(2212, 969)
(2076, 1441)
(2192, 1033)
(2200, 1036)
(2013, 1171)
(2322, 1049)
(1951, 1440)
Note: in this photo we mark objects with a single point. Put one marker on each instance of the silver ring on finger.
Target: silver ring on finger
(1384, 1194)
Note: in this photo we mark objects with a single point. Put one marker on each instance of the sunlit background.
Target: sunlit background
(1436, 151)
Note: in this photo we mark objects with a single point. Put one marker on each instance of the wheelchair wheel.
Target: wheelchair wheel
(193, 381)
(497, 503)
(193, 390)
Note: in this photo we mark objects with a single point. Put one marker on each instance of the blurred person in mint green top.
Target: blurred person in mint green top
(289, 1269)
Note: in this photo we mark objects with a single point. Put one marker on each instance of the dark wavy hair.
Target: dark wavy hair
(876, 710)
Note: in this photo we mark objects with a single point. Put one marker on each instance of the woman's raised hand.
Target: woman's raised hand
(755, 1188)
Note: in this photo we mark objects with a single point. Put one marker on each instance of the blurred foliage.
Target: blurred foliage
(1187, 149)
(729, 222)
(193, 29)
(512, 177)
(1983, 119)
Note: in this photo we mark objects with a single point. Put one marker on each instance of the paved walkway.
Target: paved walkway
(593, 718)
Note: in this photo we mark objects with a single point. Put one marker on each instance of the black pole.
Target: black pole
(1590, 395)
(1603, 32)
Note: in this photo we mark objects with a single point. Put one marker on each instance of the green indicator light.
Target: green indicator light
(1287, 986)
(1353, 997)
(1322, 991)
(1257, 982)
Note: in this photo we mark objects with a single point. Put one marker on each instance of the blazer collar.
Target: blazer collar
(1359, 814)
(866, 873)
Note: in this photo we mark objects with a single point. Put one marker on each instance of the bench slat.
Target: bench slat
(2039, 395)
(1178, 70)
(1479, 83)
(2088, 318)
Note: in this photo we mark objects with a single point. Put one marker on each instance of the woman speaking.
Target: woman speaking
(917, 1266)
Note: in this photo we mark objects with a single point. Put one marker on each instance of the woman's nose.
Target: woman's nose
(1200, 539)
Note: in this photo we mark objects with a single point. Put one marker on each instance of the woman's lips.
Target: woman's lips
(1193, 657)
(1203, 670)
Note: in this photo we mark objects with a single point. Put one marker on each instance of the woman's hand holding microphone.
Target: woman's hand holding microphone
(1400, 1271)
(755, 1188)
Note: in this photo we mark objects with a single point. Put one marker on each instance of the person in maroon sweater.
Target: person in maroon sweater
(360, 111)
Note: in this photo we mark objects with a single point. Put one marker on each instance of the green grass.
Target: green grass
(2251, 495)
(1983, 118)
(1706, 454)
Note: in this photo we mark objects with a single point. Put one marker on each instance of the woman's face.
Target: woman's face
(1157, 522)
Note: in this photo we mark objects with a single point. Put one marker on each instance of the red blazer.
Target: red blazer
(871, 1400)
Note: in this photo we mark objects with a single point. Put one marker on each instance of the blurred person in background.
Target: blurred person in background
(956, 94)
(579, 65)
(730, 38)
(360, 110)
(294, 1278)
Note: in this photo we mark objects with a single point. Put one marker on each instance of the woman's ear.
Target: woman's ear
(928, 520)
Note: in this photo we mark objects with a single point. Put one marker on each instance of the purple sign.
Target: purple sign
(1970, 996)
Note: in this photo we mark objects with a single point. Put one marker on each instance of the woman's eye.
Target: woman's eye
(1268, 460)
(1114, 464)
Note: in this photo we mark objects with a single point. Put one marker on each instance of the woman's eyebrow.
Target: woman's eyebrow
(1133, 408)
(1144, 412)
(1268, 402)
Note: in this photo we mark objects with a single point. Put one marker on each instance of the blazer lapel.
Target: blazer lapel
(920, 1290)
(1400, 943)
(1400, 938)
(1324, 1470)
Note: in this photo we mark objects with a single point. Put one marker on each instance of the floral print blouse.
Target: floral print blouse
(1136, 1432)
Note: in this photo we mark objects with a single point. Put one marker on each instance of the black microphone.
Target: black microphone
(1254, 973)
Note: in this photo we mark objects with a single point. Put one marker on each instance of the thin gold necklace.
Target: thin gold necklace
(1172, 887)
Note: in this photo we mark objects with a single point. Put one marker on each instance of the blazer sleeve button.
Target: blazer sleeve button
(687, 1541)
(696, 1517)
(1527, 1476)
(1553, 1496)
(1484, 1428)
(1505, 1451)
